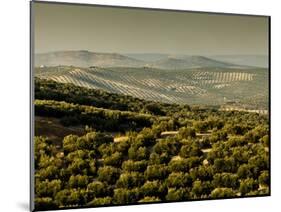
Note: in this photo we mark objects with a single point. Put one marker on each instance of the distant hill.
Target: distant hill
(234, 60)
(85, 59)
(212, 86)
(148, 57)
(161, 61)
(245, 60)
(189, 62)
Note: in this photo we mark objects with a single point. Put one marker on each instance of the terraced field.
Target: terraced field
(191, 86)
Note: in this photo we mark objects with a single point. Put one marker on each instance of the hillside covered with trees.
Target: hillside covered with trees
(129, 150)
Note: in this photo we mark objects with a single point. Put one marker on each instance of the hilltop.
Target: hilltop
(84, 59)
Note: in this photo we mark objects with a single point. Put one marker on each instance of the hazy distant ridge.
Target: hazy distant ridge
(87, 59)
(189, 62)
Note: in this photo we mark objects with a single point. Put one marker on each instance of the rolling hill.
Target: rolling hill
(212, 86)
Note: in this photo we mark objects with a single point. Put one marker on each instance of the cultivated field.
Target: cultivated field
(194, 86)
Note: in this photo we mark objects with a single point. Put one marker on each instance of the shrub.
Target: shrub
(153, 188)
(187, 132)
(100, 201)
(97, 189)
(222, 193)
(156, 172)
(179, 179)
(130, 166)
(264, 178)
(47, 188)
(114, 160)
(226, 180)
(177, 194)
(190, 150)
(125, 196)
(76, 181)
(108, 174)
(248, 185)
(130, 180)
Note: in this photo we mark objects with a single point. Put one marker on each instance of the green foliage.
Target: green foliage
(130, 180)
(153, 188)
(201, 126)
(101, 119)
(254, 135)
(149, 199)
(226, 180)
(153, 108)
(70, 197)
(100, 201)
(97, 189)
(237, 141)
(50, 172)
(248, 185)
(138, 153)
(179, 165)
(155, 158)
(265, 140)
(191, 149)
(264, 178)
(222, 193)
(235, 129)
(177, 194)
(208, 154)
(138, 166)
(47, 188)
(244, 171)
(78, 166)
(168, 146)
(204, 173)
(69, 143)
(78, 181)
(187, 132)
(201, 189)
(108, 174)
(179, 179)
(226, 164)
(156, 172)
(115, 159)
(123, 196)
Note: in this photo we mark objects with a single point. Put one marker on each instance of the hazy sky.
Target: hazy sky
(105, 29)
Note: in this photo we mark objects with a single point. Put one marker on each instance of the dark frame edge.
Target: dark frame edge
(269, 96)
(157, 203)
(146, 8)
(31, 99)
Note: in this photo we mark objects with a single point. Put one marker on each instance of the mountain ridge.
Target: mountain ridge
(84, 58)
